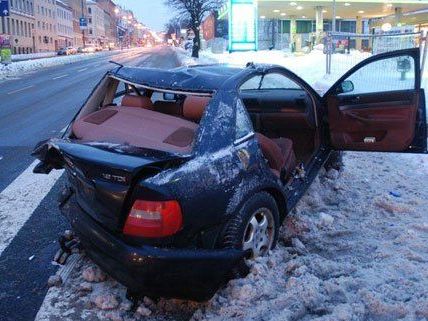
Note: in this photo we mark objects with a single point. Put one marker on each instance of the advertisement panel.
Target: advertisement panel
(5, 49)
(243, 19)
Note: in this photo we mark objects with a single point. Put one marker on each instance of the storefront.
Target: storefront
(281, 23)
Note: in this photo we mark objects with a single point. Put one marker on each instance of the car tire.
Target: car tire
(242, 228)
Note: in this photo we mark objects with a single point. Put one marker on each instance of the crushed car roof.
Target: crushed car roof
(203, 78)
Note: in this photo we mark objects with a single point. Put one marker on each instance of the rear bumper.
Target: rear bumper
(194, 274)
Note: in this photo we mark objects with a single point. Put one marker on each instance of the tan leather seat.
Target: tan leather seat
(138, 127)
(194, 107)
(279, 153)
(137, 101)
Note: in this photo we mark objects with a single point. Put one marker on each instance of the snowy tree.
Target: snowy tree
(194, 11)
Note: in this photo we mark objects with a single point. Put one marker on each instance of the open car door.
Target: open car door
(379, 105)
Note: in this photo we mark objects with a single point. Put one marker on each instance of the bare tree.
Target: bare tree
(194, 11)
(175, 24)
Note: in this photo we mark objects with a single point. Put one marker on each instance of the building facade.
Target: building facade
(20, 25)
(37, 26)
(110, 19)
(45, 31)
(96, 25)
(64, 25)
(282, 23)
(79, 9)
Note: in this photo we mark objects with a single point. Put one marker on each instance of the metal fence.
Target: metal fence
(273, 36)
(344, 50)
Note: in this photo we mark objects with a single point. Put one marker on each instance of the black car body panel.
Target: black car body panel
(103, 174)
(204, 79)
(185, 273)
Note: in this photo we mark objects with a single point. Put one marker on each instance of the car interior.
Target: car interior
(282, 115)
(143, 118)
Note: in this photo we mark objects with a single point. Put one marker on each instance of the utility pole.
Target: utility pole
(333, 24)
(83, 30)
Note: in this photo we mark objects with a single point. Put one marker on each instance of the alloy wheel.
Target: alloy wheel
(259, 233)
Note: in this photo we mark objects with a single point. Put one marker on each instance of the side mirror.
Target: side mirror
(169, 97)
(346, 86)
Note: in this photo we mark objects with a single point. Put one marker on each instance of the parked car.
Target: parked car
(67, 51)
(89, 49)
(175, 179)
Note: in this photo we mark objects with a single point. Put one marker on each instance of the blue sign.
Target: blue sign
(4, 8)
(243, 29)
(83, 23)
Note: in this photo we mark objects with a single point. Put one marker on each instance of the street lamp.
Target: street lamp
(333, 27)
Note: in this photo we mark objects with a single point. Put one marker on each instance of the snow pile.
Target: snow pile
(186, 60)
(17, 69)
(350, 250)
(34, 56)
(355, 248)
(90, 294)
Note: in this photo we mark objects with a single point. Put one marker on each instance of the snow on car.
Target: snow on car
(178, 179)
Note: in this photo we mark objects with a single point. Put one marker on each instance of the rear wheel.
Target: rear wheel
(255, 227)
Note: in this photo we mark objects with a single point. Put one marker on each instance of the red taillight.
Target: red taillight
(153, 219)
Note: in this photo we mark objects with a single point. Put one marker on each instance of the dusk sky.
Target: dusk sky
(152, 13)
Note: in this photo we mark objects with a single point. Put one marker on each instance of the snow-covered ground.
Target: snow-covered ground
(355, 248)
(17, 69)
(37, 55)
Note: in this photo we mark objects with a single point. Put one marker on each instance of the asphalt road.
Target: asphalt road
(33, 108)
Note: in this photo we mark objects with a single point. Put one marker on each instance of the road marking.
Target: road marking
(59, 77)
(18, 90)
(83, 69)
(20, 199)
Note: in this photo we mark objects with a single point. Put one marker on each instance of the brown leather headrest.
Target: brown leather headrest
(137, 101)
(194, 107)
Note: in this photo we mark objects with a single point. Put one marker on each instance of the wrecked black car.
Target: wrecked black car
(176, 178)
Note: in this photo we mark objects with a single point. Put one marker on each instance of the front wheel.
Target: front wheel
(254, 228)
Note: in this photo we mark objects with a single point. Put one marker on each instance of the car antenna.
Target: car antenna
(116, 63)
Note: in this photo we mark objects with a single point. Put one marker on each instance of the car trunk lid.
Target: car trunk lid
(101, 175)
